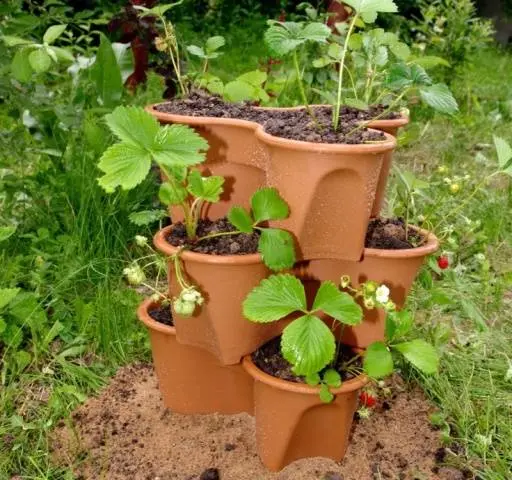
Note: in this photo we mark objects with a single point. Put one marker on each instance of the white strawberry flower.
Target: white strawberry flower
(382, 294)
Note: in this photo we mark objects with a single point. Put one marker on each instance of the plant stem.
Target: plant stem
(220, 234)
(177, 270)
(337, 109)
(301, 86)
(379, 116)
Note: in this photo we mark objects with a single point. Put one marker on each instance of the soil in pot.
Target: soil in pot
(240, 244)
(293, 124)
(269, 359)
(392, 234)
(162, 315)
(125, 433)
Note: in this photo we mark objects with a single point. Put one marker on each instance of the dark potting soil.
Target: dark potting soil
(237, 244)
(162, 315)
(291, 124)
(269, 359)
(391, 234)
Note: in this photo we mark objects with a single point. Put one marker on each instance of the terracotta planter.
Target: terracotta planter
(391, 127)
(192, 380)
(219, 325)
(330, 189)
(292, 422)
(395, 268)
(234, 153)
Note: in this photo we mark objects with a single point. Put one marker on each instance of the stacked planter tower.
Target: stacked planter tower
(203, 363)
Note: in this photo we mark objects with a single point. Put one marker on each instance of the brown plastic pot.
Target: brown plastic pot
(388, 126)
(219, 325)
(234, 153)
(192, 380)
(330, 189)
(292, 422)
(395, 268)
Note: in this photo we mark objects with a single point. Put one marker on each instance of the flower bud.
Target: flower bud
(134, 275)
(454, 188)
(390, 306)
(160, 44)
(141, 241)
(155, 297)
(370, 287)
(186, 309)
(345, 281)
(369, 303)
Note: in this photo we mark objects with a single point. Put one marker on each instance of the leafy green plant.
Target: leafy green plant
(209, 51)
(284, 38)
(308, 343)
(175, 149)
(32, 57)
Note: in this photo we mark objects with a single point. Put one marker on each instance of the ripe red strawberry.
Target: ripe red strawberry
(367, 399)
(443, 263)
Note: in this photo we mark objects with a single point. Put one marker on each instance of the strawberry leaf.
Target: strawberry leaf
(240, 218)
(274, 298)
(267, 204)
(339, 305)
(378, 361)
(124, 165)
(308, 344)
(277, 248)
(205, 188)
(439, 98)
(420, 354)
(179, 145)
(172, 193)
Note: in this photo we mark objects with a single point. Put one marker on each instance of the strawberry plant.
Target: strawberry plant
(309, 344)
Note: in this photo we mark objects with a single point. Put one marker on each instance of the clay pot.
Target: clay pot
(219, 325)
(395, 268)
(389, 126)
(192, 380)
(292, 422)
(330, 189)
(234, 153)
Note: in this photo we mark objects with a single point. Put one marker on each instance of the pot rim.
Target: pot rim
(388, 144)
(346, 387)
(431, 246)
(144, 317)
(165, 247)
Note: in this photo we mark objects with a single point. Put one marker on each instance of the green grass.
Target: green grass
(73, 241)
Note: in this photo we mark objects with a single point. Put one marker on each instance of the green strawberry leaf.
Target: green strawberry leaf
(284, 37)
(208, 189)
(240, 218)
(274, 298)
(332, 378)
(196, 51)
(325, 394)
(378, 361)
(214, 43)
(313, 379)
(12, 41)
(440, 98)
(255, 78)
(179, 145)
(339, 305)
(308, 344)
(267, 204)
(239, 91)
(20, 66)
(133, 126)
(147, 217)
(277, 248)
(420, 354)
(372, 6)
(172, 193)
(124, 165)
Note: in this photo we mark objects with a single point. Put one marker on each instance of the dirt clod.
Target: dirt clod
(210, 474)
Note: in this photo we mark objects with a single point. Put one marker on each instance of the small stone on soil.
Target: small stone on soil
(210, 474)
